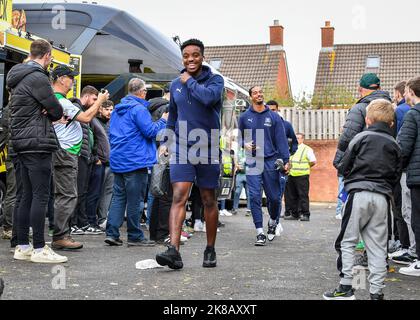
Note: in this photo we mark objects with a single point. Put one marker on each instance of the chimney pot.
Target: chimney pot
(276, 34)
(327, 35)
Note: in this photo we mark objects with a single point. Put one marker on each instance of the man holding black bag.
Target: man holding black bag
(160, 186)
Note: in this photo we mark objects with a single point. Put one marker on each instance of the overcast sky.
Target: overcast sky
(234, 22)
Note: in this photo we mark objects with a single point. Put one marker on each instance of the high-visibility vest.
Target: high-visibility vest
(227, 165)
(300, 162)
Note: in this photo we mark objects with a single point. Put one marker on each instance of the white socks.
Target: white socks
(260, 231)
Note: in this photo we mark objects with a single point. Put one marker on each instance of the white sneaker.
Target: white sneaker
(103, 224)
(412, 270)
(199, 227)
(279, 230)
(23, 255)
(338, 217)
(183, 239)
(47, 256)
(228, 214)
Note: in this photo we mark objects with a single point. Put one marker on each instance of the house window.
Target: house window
(216, 63)
(373, 62)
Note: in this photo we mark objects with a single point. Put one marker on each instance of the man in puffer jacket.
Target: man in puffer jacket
(369, 90)
(33, 109)
(409, 141)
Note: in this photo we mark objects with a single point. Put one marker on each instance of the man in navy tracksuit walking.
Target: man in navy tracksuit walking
(265, 140)
(194, 120)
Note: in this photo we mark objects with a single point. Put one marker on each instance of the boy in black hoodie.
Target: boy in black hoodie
(371, 167)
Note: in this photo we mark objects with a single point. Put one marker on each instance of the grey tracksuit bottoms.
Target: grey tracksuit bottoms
(365, 214)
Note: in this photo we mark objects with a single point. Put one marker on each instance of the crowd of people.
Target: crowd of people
(378, 165)
(89, 166)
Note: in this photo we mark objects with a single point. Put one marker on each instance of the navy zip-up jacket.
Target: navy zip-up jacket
(290, 134)
(276, 145)
(198, 104)
(400, 112)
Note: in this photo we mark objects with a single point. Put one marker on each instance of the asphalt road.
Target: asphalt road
(298, 266)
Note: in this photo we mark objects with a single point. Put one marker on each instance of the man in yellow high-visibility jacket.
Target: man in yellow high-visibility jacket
(297, 187)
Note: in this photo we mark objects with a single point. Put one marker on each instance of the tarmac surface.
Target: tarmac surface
(300, 265)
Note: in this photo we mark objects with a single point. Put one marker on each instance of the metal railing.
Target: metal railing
(316, 124)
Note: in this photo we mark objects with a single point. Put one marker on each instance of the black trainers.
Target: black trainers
(404, 259)
(377, 296)
(113, 242)
(271, 234)
(261, 240)
(141, 243)
(341, 293)
(170, 258)
(305, 218)
(291, 217)
(209, 258)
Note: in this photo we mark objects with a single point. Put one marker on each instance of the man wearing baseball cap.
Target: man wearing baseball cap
(369, 90)
(65, 161)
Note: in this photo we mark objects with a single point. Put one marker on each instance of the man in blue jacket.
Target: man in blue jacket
(132, 136)
(194, 121)
(264, 138)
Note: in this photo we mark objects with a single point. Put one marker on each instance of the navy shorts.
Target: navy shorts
(205, 176)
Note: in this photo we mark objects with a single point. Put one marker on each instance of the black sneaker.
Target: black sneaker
(209, 258)
(170, 258)
(221, 224)
(271, 234)
(141, 243)
(305, 218)
(261, 240)
(93, 230)
(113, 242)
(291, 217)
(341, 293)
(377, 296)
(405, 259)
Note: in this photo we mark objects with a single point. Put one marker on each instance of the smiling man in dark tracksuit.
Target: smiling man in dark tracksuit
(272, 147)
(194, 108)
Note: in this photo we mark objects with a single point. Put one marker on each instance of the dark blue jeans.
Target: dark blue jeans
(128, 194)
(94, 193)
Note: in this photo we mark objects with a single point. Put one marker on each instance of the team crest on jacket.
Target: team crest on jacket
(268, 122)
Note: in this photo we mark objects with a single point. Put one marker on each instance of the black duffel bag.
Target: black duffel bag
(160, 183)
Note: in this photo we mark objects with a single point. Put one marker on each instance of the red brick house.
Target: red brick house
(340, 66)
(259, 64)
